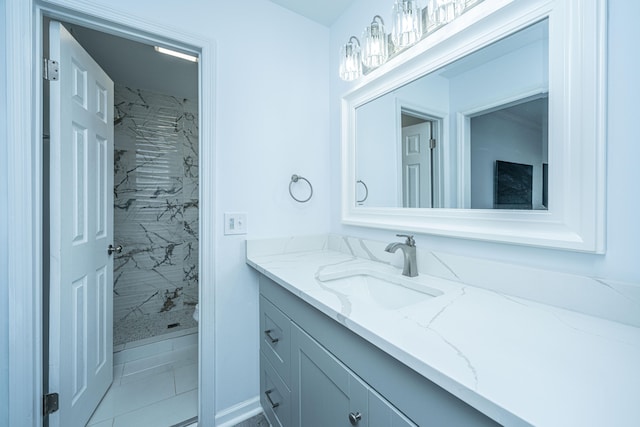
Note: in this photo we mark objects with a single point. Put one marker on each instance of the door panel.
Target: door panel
(81, 187)
(416, 166)
(79, 338)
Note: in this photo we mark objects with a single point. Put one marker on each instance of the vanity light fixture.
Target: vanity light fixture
(409, 27)
(374, 44)
(407, 23)
(350, 60)
(177, 54)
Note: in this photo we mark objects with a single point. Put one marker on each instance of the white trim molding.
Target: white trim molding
(577, 126)
(24, 115)
(238, 413)
(24, 217)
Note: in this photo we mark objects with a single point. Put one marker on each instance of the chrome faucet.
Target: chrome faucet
(409, 251)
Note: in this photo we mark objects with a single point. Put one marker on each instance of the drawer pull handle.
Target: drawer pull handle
(268, 334)
(271, 402)
(354, 417)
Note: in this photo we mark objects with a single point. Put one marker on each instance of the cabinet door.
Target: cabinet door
(324, 392)
(383, 414)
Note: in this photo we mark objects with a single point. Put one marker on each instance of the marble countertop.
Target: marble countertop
(519, 362)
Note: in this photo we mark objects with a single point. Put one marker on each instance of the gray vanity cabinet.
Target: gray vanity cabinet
(314, 372)
(326, 393)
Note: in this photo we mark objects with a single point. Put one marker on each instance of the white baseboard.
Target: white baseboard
(153, 346)
(238, 413)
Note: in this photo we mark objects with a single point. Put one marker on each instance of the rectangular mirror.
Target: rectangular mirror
(499, 95)
(492, 128)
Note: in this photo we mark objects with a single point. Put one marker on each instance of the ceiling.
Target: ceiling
(324, 12)
(134, 64)
(138, 65)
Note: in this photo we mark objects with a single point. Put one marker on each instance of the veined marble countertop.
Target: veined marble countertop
(517, 361)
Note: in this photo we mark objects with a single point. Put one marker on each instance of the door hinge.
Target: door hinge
(50, 403)
(432, 143)
(51, 70)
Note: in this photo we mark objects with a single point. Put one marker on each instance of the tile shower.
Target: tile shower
(155, 214)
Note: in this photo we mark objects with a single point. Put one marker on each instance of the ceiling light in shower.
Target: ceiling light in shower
(374, 44)
(177, 54)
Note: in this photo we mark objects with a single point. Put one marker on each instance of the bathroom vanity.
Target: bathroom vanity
(345, 339)
(315, 372)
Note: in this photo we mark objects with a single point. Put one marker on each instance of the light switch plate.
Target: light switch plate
(235, 223)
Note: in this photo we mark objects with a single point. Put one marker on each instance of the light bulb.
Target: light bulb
(374, 48)
(407, 23)
(350, 60)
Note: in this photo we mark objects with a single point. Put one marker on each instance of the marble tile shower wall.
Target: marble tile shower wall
(155, 214)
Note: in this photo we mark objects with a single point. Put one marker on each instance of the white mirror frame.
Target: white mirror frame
(577, 126)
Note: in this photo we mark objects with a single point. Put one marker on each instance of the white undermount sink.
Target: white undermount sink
(382, 289)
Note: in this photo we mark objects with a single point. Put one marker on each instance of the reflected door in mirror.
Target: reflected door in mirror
(417, 161)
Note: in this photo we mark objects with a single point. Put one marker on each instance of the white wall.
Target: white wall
(623, 152)
(504, 79)
(378, 148)
(377, 151)
(4, 291)
(272, 120)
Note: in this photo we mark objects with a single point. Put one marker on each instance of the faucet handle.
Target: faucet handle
(410, 240)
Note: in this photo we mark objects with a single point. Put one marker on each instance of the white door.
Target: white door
(81, 185)
(416, 166)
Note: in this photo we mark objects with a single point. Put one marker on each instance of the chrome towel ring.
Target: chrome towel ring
(296, 178)
(366, 191)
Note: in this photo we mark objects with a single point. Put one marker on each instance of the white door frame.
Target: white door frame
(24, 158)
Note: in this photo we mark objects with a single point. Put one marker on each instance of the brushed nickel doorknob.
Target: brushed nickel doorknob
(354, 417)
(111, 249)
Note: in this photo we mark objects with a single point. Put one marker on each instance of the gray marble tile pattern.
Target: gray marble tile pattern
(155, 213)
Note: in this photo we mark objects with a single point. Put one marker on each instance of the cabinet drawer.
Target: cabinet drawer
(275, 338)
(275, 396)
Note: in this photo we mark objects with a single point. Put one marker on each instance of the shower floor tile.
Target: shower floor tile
(156, 391)
(164, 413)
(160, 390)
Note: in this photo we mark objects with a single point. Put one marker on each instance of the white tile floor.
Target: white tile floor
(154, 385)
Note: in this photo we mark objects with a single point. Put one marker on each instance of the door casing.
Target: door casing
(25, 169)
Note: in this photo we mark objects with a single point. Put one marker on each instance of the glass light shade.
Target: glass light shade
(440, 12)
(350, 60)
(407, 23)
(374, 44)
(445, 11)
